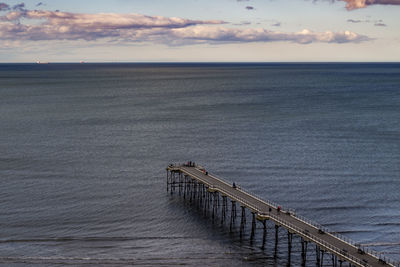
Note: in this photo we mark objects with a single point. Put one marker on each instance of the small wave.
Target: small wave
(381, 244)
(70, 260)
(166, 261)
(346, 232)
(334, 208)
(388, 224)
(93, 239)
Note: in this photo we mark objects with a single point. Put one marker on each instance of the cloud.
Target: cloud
(356, 4)
(249, 7)
(40, 4)
(277, 24)
(242, 23)
(243, 0)
(354, 20)
(4, 7)
(221, 34)
(19, 24)
(101, 21)
(19, 7)
(376, 23)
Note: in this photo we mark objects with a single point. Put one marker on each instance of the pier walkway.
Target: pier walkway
(194, 179)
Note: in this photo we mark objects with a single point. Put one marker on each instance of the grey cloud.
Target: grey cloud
(242, 23)
(249, 7)
(376, 23)
(277, 24)
(40, 4)
(19, 7)
(354, 20)
(4, 7)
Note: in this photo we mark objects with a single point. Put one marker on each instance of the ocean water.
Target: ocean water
(84, 149)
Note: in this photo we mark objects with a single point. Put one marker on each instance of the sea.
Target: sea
(84, 150)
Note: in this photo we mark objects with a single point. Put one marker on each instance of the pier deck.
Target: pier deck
(262, 210)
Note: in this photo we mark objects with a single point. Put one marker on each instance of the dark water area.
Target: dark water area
(84, 149)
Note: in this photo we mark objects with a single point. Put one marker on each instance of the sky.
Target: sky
(200, 31)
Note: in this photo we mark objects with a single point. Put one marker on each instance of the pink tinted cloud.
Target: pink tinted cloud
(71, 26)
(223, 34)
(103, 20)
(356, 4)
(34, 25)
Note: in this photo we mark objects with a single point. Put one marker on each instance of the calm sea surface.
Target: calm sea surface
(84, 150)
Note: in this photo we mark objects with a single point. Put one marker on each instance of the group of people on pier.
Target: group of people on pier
(190, 164)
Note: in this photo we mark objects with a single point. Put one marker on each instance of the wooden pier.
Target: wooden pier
(195, 184)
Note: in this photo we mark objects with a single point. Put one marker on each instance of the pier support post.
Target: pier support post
(234, 210)
(217, 201)
(185, 187)
(253, 225)
(243, 214)
(167, 181)
(264, 222)
(180, 183)
(242, 220)
(171, 177)
(224, 203)
(318, 255)
(334, 261)
(322, 257)
(194, 183)
(190, 192)
(233, 214)
(193, 190)
(290, 238)
(201, 187)
(200, 193)
(276, 239)
(303, 252)
(208, 200)
(215, 204)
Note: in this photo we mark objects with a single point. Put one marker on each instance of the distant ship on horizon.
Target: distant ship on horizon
(41, 62)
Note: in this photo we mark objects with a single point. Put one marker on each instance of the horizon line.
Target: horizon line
(197, 62)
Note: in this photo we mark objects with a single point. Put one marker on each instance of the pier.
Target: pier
(222, 201)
